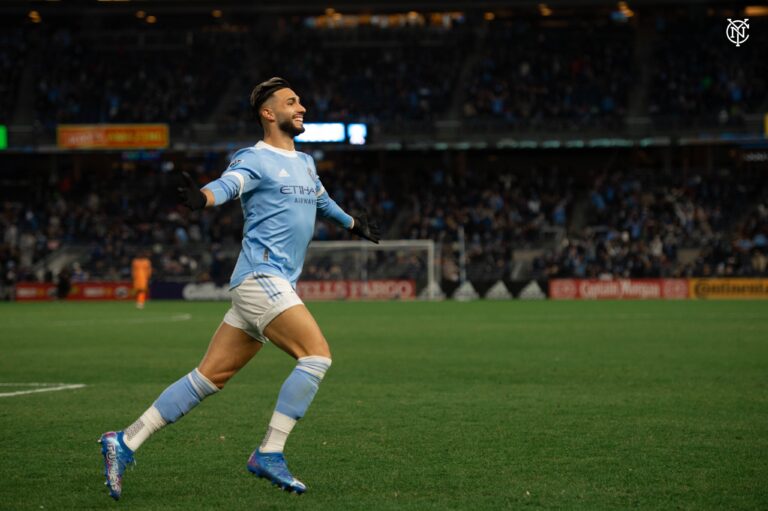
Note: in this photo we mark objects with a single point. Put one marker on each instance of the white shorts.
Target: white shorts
(257, 301)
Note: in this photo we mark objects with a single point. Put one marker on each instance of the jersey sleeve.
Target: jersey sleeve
(326, 206)
(241, 175)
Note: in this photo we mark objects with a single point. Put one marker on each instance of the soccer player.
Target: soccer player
(280, 194)
(141, 271)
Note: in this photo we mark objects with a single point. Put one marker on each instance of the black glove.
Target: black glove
(365, 229)
(189, 193)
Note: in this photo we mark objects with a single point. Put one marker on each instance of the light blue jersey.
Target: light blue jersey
(280, 193)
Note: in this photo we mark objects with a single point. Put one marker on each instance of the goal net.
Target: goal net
(393, 269)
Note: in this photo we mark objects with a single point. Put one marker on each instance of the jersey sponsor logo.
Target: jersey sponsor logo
(234, 163)
(304, 194)
(297, 190)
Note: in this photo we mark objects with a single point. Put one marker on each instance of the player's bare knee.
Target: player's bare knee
(318, 348)
(324, 351)
(315, 353)
(223, 378)
(218, 378)
(220, 383)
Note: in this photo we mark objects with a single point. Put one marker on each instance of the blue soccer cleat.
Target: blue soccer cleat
(271, 465)
(117, 456)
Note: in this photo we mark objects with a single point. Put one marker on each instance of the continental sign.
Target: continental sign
(729, 288)
(112, 136)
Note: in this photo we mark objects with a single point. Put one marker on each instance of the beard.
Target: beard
(288, 127)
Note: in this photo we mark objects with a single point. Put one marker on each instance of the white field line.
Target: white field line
(32, 384)
(45, 387)
(163, 319)
(108, 321)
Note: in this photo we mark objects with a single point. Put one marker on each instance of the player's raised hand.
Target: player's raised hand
(365, 228)
(189, 193)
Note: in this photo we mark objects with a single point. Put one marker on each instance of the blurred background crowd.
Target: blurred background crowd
(529, 73)
(577, 222)
(493, 215)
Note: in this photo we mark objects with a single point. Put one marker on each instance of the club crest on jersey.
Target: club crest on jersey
(311, 174)
(234, 163)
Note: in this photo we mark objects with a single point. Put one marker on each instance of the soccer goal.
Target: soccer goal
(393, 269)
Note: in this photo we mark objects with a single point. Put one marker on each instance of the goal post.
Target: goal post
(371, 270)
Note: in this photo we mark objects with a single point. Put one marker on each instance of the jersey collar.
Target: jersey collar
(263, 145)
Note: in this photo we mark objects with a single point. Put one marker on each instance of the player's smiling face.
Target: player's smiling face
(289, 112)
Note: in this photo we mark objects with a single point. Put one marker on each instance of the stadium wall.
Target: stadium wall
(531, 289)
(81, 291)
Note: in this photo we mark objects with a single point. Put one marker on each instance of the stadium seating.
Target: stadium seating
(100, 76)
(534, 76)
(13, 49)
(697, 83)
(639, 222)
(519, 74)
(636, 223)
(515, 73)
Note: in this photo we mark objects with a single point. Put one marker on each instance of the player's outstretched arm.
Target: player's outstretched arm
(191, 196)
(365, 228)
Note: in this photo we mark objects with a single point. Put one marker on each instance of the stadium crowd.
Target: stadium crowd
(523, 72)
(640, 221)
(484, 211)
(95, 77)
(637, 222)
(567, 77)
(699, 83)
(13, 48)
(177, 77)
(345, 80)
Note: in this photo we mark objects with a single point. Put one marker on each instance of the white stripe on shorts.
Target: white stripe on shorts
(259, 300)
(268, 286)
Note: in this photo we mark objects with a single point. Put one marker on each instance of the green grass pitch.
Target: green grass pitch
(483, 405)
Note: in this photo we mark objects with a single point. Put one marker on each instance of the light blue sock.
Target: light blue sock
(295, 396)
(301, 386)
(183, 395)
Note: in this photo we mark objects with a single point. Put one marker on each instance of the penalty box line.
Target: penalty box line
(43, 387)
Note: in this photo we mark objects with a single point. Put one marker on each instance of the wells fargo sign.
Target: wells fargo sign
(357, 290)
(729, 288)
(112, 136)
